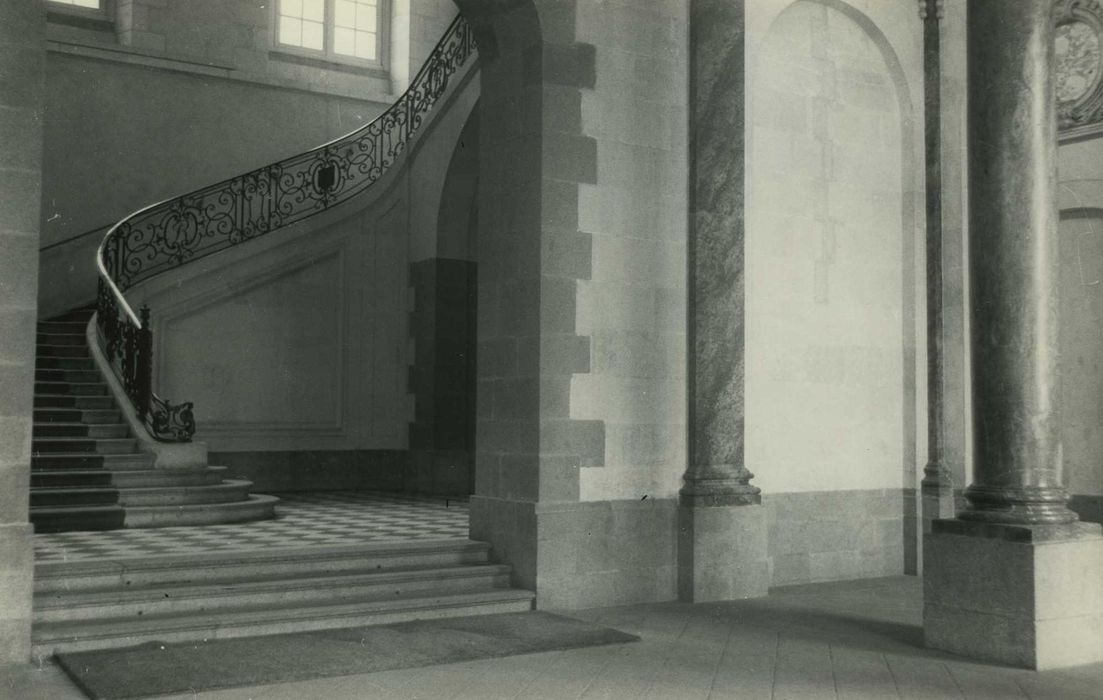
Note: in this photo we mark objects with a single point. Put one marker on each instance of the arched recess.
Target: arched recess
(831, 313)
(443, 326)
(1081, 343)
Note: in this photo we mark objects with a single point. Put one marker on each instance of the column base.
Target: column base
(721, 552)
(1027, 596)
(937, 495)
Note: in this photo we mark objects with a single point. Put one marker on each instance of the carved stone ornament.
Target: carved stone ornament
(1079, 63)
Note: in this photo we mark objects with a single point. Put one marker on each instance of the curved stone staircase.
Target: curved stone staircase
(87, 469)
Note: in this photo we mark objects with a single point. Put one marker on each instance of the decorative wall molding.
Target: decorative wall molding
(229, 288)
(1079, 66)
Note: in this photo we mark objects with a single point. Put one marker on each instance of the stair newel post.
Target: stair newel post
(144, 378)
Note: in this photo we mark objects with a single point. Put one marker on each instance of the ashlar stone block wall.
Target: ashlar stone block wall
(22, 58)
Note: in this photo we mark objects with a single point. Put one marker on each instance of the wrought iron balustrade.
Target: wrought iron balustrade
(164, 236)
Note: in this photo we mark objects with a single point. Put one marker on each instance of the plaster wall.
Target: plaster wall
(1081, 333)
(160, 98)
(298, 341)
(832, 323)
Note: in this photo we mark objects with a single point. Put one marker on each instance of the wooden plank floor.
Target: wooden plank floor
(852, 640)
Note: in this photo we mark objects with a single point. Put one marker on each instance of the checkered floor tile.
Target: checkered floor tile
(302, 520)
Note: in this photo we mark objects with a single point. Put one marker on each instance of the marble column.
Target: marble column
(1014, 578)
(22, 70)
(937, 487)
(722, 534)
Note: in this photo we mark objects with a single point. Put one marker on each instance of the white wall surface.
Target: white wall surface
(832, 323)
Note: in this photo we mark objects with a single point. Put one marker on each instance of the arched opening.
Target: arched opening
(443, 324)
(830, 292)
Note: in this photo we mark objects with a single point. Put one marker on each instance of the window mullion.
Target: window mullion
(330, 22)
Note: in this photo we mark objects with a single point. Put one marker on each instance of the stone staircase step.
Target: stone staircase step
(125, 479)
(76, 415)
(76, 518)
(66, 327)
(69, 363)
(227, 491)
(75, 478)
(71, 388)
(71, 401)
(61, 498)
(86, 376)
(250, 565)
(325, 590)
(50, 350)
(49, 638)
(81, 315)
(255, 507)
(77, 429)
(55, 461)
(61, 338)
(69, 445)
(86, 469)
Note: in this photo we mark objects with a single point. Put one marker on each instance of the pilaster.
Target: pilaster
(22, 70)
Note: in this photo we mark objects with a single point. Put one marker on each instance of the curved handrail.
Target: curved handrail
(176, 231)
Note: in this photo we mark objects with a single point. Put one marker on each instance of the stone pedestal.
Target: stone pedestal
(1025, 596)
(722, 553)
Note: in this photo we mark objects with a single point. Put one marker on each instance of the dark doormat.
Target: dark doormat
(162, 669)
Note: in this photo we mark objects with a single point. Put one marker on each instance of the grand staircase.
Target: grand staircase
(96, 604)
(87, 472)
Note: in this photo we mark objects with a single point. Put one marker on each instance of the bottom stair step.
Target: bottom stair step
(63, 519)
(257, 507)
(125, 479)
(49, 638)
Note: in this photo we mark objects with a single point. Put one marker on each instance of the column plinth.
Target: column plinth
(1014, 578)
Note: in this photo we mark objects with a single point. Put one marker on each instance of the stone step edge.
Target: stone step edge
(70, 510)
(225, 485)
(265, 614)
(246, 557)
(126, 472)
(168, 593)
(85, 455)
(46, 642)
(71, 424)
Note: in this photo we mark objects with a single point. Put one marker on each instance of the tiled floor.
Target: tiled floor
(303, 520)
(859, 639)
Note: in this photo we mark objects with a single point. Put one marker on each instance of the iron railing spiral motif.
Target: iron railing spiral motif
(172, 233)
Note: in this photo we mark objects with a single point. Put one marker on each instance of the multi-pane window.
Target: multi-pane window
(338, 28)
(89, 4)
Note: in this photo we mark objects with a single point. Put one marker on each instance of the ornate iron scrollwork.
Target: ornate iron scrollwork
(165, 236)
